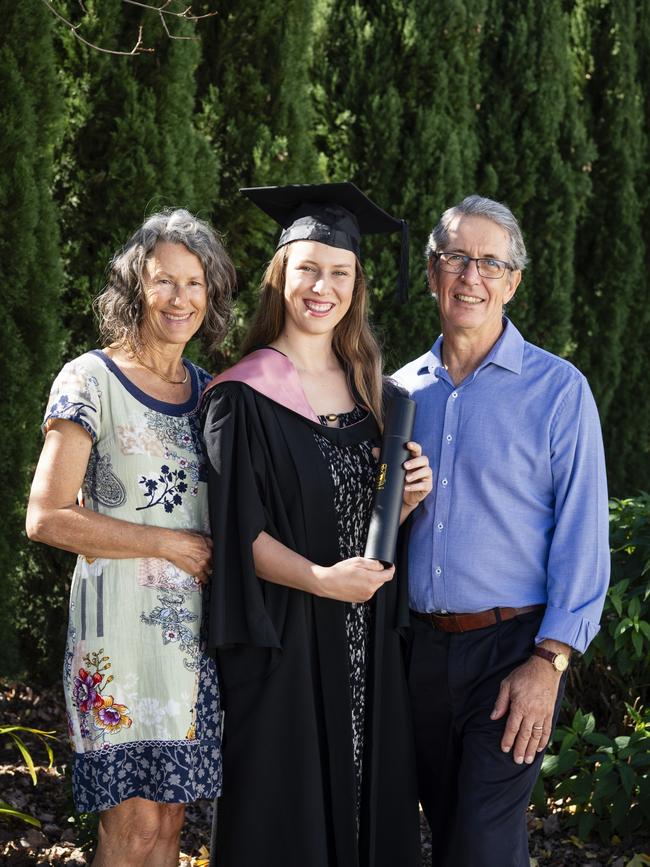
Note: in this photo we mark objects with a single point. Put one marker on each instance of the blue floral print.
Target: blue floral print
(172, 616)
(172, 484)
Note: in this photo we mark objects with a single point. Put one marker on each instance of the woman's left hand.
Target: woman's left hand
(419, 479)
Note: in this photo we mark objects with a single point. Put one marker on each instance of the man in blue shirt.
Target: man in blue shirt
(509, 556)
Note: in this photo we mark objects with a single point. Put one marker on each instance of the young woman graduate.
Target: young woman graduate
(318, 756)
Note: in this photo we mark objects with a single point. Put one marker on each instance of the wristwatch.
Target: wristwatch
(559, 661)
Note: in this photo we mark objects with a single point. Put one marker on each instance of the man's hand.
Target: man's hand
(530, 693)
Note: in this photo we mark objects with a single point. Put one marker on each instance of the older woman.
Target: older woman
(318, 755)
(121, 428)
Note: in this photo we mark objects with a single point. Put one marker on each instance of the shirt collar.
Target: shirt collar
(507, 352)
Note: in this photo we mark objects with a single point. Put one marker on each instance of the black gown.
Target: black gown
(290, 785)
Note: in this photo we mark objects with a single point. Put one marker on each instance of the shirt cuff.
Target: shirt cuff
(567, 627)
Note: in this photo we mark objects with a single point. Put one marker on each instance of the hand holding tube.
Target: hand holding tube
(389, 488)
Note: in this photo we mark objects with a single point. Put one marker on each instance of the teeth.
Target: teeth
(178, 316)
(318, 308)
(470, 299)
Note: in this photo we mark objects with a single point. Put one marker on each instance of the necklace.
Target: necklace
(162, 375)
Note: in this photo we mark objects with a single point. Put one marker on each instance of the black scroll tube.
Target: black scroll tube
(389, 487)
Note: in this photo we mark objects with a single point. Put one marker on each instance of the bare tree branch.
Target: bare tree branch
(139, 47)
(186, 14)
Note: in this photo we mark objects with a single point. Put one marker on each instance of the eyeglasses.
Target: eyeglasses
(456, 263)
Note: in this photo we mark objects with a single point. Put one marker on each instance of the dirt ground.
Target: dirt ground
(66, 838)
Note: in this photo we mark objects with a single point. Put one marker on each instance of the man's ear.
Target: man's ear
(431, 274)
(515, 280)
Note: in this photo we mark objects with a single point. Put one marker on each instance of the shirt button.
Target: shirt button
(449, 438)
(444, 483)
(440, 525)
(454, 394)
(438, 570)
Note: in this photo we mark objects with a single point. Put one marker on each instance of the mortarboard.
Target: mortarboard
(335, 214)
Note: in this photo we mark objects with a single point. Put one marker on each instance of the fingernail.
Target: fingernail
(529, 760)
(519, 760)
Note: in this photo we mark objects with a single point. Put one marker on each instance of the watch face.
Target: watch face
(561, 662)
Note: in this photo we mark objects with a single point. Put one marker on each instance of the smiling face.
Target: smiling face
(318, 286)
(175, 295)
(469, 303)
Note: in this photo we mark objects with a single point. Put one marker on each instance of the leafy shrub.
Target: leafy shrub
(602, 782)
(600, 779)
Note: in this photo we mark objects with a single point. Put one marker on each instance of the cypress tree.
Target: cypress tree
(611, 327)
(29, 328)
(533, 154)
(256, 108)
(397, 89)
(133, 145)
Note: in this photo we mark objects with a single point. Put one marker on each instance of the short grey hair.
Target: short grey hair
(478, 206)
(120, 307)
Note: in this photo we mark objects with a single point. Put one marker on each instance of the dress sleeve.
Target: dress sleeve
(239, 611)
(75, 396)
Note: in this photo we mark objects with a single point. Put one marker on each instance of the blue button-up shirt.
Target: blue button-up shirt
(518, 514)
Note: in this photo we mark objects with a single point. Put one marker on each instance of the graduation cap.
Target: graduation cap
(335, 214)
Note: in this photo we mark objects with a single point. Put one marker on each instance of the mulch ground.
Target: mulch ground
(67, 838)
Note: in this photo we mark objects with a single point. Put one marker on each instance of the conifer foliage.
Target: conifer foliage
(611, 326)
(30, 121)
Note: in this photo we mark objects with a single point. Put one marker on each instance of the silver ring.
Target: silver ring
(538, 728)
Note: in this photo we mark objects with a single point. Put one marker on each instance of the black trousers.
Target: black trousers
(474, 796)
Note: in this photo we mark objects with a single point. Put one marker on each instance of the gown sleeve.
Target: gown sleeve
(238, 610)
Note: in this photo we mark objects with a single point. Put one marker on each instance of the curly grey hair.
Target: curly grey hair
(478, 206)
(120, 307)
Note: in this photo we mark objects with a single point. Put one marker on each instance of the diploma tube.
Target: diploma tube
(389, 488)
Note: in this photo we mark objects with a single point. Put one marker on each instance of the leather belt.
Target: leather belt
(478, 620)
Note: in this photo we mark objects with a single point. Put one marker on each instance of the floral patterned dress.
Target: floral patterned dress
(142, 696)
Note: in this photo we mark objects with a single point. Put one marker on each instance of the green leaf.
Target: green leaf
(26, 756)
(634, 608)
(622, 627)
(606, 787)
(549, 765)
(586, 822)
(644, 626)
(567, 761)
(7, 810)
(568, 741)
(628, 778)
(598, 739)
(617, 602)
(637, 642)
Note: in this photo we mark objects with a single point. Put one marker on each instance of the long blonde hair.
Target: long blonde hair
(353, 343)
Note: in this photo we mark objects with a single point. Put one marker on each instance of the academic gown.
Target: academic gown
(289, 780)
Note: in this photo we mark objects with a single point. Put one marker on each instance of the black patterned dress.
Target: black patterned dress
(353, 470)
